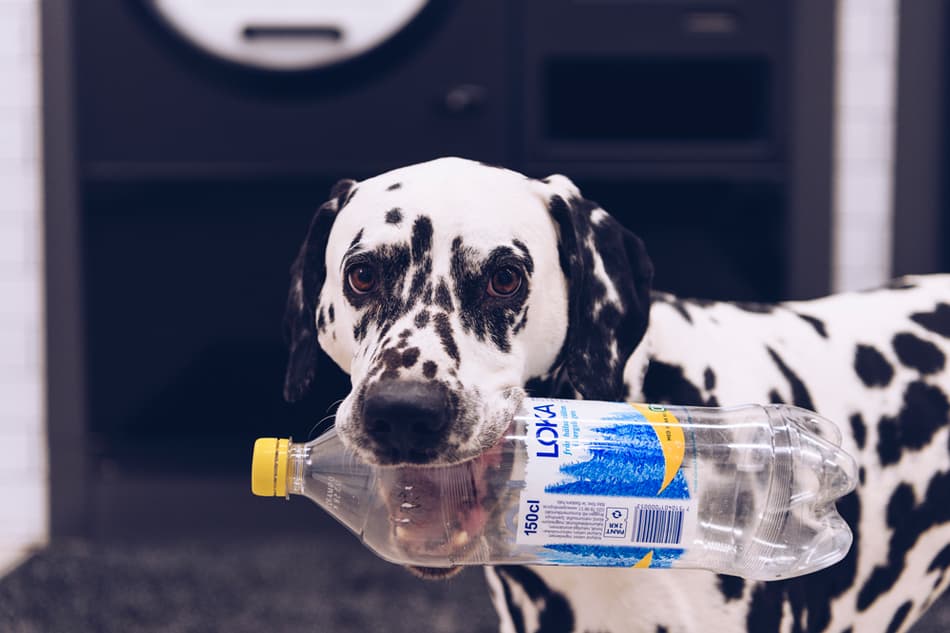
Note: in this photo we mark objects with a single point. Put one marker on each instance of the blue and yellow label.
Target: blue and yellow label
(605, 484)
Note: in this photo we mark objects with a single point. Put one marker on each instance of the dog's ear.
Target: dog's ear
(609, 278)
(306, 280)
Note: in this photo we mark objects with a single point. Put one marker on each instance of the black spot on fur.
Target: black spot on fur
(888, 441)
(681, 308)
(421, 238)
(410, 357)
(937, 321)
(800, 395)
(900, 283)
(526, 256)
(443, 298)
(554, 611)
(356, 240)
(661, 629)
(709, 379)
(918, 354)
(703, 303)
(765, 608)
(427, 294)
(668, 383)
(393, 216)
(330, 313)
(514, 610)
(941, 561)
(390, 360)
(394, 186)
(343, 191)
(924, 412)
(405, 333)
(899, 616)
(757, 308)
(910, 520)
(775, 398)
(859, 429)
(483, 315)
(421, 246)
(422, 319)
(524, 321)
(871, 366)
(321, 321)
(359, 330)
(818, 324)
(677, 304)
(444, 329)
(731, 587)
(900, 503)
(861, 475)
(429, 369)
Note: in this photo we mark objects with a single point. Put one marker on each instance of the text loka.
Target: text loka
(545, 431)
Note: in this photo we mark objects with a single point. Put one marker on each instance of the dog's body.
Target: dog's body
(454, 301)
(873, 361)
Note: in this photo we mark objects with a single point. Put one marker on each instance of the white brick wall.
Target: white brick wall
(23, 468)
(864, 142)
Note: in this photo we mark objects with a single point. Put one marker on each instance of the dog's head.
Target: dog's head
(443, 288)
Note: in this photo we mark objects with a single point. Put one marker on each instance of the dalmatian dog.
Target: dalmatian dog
(450, 289)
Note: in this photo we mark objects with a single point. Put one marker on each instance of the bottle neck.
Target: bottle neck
(298, 455)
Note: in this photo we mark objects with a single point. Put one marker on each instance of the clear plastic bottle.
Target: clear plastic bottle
(747, 491)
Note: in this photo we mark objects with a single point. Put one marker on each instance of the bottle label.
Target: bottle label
(605, 484)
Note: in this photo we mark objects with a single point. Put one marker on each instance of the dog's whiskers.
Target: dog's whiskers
(329, 418)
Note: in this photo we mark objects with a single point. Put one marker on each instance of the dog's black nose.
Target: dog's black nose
(407, 418)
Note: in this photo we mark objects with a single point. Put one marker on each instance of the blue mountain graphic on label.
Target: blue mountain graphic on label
(625, 459)
(612, 556)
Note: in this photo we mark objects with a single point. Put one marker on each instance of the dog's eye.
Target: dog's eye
(362, 278)
(504, 282)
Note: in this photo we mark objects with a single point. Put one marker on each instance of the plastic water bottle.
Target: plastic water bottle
(747, 491)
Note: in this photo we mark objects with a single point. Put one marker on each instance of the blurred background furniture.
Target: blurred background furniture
(182, 168)
(705, 127)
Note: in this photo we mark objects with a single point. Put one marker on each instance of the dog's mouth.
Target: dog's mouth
(440, 514)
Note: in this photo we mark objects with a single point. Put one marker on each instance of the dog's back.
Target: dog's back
(874, 362)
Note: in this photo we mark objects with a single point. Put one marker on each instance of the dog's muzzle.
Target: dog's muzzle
(407, 420)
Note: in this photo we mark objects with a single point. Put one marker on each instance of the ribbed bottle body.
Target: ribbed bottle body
(747, 491)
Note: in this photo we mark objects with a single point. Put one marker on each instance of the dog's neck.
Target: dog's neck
(558, 384)
(635, 371)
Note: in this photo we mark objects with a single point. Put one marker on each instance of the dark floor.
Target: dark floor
(238, 588)
(209, 557)
(246, 588)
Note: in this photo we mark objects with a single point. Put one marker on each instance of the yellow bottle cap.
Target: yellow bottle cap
(269, 467)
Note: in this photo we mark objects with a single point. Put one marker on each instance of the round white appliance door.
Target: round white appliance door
(290, 34)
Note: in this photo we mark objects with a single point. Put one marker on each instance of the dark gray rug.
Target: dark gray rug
(237, 587)
(246, 587)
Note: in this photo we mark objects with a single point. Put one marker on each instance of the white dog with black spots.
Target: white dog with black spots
(449, 289)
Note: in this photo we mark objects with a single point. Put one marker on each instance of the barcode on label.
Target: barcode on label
(658, 524)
